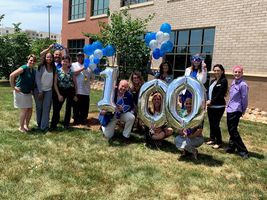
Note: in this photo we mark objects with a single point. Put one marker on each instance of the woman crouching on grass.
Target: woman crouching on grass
(189, 139)
(22, 80)
(160, 133)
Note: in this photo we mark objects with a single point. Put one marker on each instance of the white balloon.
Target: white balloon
(159, 36)
(166, 37)
(98, 53)
(91, 58)
(153, 44)
(92, 66)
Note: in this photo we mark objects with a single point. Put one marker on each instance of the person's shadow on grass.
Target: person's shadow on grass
(202, 158)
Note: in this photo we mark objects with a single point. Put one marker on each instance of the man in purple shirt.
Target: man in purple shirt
(236, 107)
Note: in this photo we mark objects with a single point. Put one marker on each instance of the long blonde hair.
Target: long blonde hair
(152, 108)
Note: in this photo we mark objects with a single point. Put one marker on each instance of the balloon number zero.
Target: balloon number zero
(170, 93)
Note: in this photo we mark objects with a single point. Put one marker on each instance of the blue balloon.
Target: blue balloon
(110, 50)
(97, 70)
(164, 47)
(88, 49)
(97, 45)
(162, 53)
(86, 63)
(104, 51)
(169, 46)
(156, 53)
(150, 36)
(166, 28)
(96, 60)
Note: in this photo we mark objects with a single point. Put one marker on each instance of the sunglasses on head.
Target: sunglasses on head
(196, 59)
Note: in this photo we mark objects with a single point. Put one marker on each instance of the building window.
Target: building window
(187, 43)
(77, 9)
(74, 47)
(7, 31)
(100, 7)
(130, 2)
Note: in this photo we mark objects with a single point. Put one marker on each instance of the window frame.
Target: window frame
(78, 10)
(99, 11)
(174, 55)
(74, 49)
(132, 2)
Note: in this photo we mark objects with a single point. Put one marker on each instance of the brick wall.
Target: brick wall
(240, 33)
(241, 26)
(257, 91)
(73, 30)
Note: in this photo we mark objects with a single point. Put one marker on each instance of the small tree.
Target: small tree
(126, 34)
(39, 45)
(14, 49)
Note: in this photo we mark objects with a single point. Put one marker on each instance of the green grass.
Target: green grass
(80, 164)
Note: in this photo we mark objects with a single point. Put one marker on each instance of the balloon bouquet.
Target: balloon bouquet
(95, 52)
(159, 42)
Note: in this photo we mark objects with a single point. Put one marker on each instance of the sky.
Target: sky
(33, 14)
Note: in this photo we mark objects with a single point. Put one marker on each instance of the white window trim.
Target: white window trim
(229, 73)
(98, 16)
(76, 20)
(138, 5)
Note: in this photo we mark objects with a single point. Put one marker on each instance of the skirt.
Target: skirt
(22, 100)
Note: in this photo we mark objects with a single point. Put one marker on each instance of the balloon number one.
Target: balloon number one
(107, 102)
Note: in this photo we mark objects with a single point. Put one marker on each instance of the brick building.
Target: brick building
(78, 17)
(226, 32)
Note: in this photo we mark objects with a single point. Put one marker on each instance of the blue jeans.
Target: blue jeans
(43, 107)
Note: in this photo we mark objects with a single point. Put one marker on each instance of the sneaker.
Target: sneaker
(126, 140)
(52, 128)
(210, 142)
(229, 150)
(216, 146)
(244, 155)
(184, 153)
(195, 154)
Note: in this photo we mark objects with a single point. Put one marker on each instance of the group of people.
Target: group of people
(54, 81)
(189, 139)
(57, 80)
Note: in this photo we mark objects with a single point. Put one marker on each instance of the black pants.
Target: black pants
(81, 108)
(215, 116)
(235, 141)
(67, 94)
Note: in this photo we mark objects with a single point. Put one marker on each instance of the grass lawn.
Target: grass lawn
(80, 164)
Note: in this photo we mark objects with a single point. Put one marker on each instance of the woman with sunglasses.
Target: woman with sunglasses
(197, 70)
